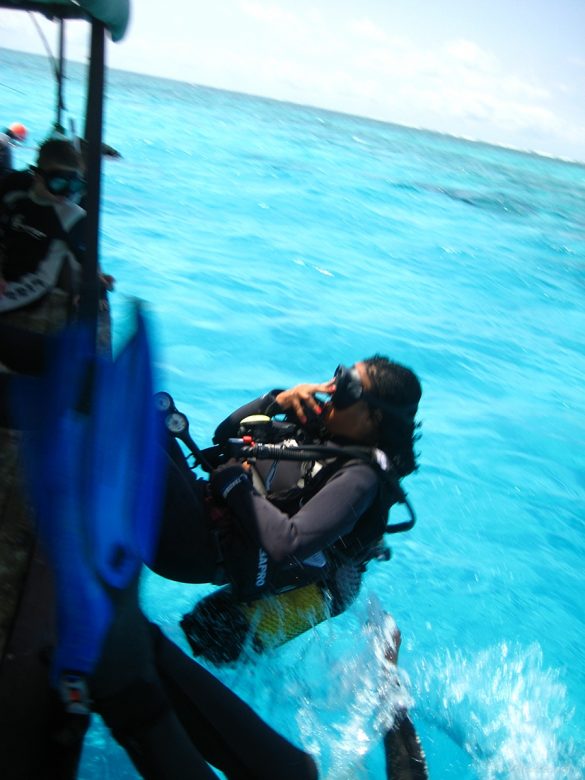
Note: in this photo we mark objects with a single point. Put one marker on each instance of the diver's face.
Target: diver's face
(357, 421)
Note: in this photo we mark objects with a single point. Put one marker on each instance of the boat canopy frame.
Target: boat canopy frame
(113, 14)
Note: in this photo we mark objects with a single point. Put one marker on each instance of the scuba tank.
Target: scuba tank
(221, 626)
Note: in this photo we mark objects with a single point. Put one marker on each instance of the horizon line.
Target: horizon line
(465, 139)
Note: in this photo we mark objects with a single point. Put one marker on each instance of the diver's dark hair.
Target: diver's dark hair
(58, 151)
(398, 387)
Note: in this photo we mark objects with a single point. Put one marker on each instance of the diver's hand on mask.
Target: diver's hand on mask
(301, 398)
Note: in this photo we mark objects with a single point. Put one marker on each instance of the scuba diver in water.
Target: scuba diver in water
(289, 540)
(300, 530)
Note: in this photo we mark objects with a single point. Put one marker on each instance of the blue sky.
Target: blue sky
(509, 72)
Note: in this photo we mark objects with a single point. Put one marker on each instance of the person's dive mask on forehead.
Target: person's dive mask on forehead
(349, 390)
(62, 183)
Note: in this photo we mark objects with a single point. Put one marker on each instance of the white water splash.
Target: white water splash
(506, 710)
(344, 713)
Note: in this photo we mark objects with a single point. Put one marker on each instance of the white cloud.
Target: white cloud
(268, 13)
(453, 82)
(366, 29)
(470, 53)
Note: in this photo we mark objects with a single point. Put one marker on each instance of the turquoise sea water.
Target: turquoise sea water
(274, 241)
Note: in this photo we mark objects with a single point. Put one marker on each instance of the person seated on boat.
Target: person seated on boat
(269, 531)
(42, 233)
(15, 133)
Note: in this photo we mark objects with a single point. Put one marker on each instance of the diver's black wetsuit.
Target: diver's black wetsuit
(344, 507)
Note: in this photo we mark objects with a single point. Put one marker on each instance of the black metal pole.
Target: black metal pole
(93, 160)
(60, 76)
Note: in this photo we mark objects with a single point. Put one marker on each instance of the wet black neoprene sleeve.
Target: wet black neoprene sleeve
(331, 513)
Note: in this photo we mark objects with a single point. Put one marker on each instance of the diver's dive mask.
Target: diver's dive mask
(62, 183)
(348, 387)
(349, 390)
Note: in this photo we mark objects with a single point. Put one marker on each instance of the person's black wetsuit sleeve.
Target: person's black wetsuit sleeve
(331, 513)
(266, 404)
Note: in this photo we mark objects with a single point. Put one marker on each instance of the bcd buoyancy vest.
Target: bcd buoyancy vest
(356, 547)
